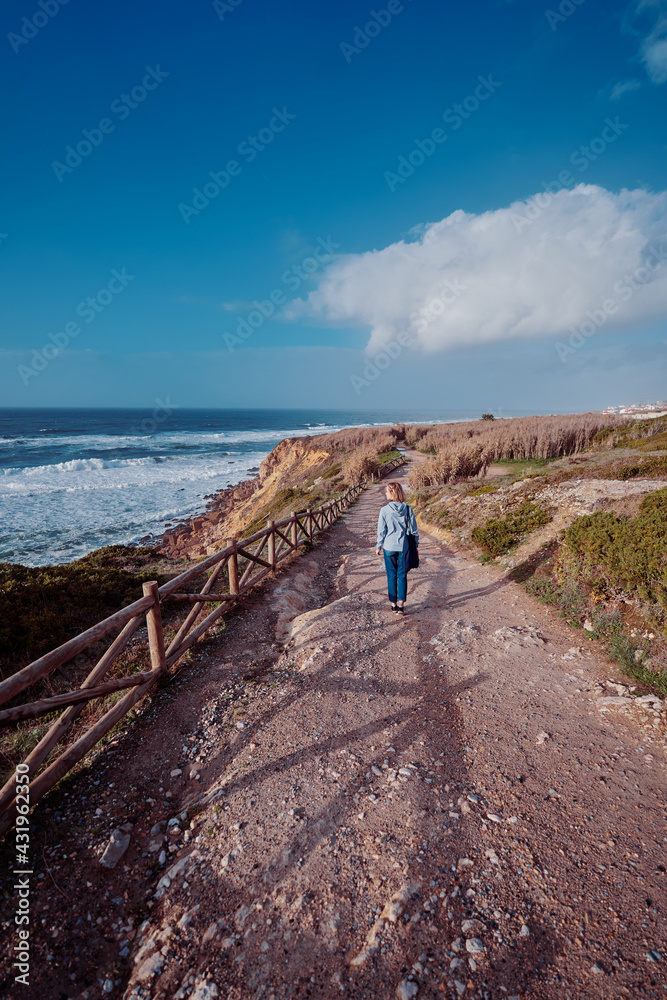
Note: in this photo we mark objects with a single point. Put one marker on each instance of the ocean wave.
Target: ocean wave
(61, 516)
(103, 475)
(83, 465)
(165, 439)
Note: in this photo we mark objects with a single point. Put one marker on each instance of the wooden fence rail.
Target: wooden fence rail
(247, 561)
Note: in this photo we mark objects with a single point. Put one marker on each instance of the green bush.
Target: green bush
(499, 535)
(284, 502)
(481, 490)
(385, 457)
(641, 468)
(543, 588)
(332, 471)
(42, 607)
(649, 434)
(628, 553)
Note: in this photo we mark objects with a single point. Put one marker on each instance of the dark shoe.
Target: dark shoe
(394, 607)
(400, 611)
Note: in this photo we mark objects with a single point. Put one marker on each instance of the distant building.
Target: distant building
(638, 409)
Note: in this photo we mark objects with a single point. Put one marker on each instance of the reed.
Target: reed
(359, 465)
(464, 450)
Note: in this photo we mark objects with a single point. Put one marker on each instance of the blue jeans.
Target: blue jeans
(395, 564)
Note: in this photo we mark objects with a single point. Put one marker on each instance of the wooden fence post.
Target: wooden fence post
(295, 531)
(309, 524)
(154, 623)
(233, 567)
(271, 526)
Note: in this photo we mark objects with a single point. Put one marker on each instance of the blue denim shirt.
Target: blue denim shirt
(391, 526)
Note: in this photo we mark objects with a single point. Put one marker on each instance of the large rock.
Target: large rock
(115, 849)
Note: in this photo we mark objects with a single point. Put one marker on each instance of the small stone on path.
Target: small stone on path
(204, 990)
(474, 946)
(406, 990)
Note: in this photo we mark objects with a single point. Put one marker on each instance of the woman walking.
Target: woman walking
(396, 521)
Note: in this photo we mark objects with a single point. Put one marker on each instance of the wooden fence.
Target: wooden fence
(247, 562)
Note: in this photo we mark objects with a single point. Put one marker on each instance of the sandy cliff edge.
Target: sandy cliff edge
(291, 464)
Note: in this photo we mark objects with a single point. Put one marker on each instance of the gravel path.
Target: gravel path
(441, 805)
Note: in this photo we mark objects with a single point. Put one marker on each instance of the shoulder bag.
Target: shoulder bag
(413, 551)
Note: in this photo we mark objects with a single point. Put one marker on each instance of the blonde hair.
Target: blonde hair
(395, 491)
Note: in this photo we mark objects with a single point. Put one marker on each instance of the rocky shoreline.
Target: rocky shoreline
(289, 465)
(178, 539)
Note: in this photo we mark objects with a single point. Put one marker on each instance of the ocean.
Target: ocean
(73, 480)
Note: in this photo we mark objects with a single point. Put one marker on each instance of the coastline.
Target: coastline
(179, 537)
(287, 467)
(73, 481)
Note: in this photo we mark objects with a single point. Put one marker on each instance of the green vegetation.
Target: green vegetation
(524, 468)
(486, 488)
(326, 486)
(658, 442)
(282, 505)
(488, 416)
(42, 607)
(332, 471)
(445, 520)
(633, 661)
(521, 464)
(644, 435)
(608, 568)
(601, 556)
(568, 596)
(626, 553)
(639, 468)
(501, 534)
(388, 456)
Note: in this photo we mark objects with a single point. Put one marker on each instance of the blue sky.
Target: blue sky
(170, 95)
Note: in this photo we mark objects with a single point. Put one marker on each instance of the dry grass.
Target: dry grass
(450, 465)
(464, 450)
(376, 438)
(519, 437)
(359, 464)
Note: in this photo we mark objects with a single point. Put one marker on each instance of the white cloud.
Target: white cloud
(528, 271)
(624, 87)
(655, 57)
(654, 44)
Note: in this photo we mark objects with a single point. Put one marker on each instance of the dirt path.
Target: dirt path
(434, 806)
